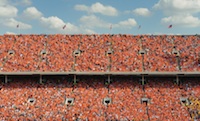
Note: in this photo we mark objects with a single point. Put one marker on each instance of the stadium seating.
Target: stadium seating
(125, 56)
(92, 58)
(159, 55)
(100, 53)
(165, 100)
(126, 100)
(92, 97)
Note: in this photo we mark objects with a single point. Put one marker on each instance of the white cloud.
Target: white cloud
(178, 6)
(98, 8)
(13, 24)
(7, 15)
(26, 2)
(89, 31)
(142, 12)
(20, 2)
(7, 11)
(105, 10)
(92, 21)
(126, 23)
(55, 23)
(180, 12)
(81, 7)
(182, 20)
(32, 13)
(10, 33)
(3, 2)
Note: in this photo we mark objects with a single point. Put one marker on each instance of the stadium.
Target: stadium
(81, 73)
(99, 77)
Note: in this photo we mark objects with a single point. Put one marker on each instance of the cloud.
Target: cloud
(126, 23)
(81, 7)
(3, 2)
(13, 24)
(20, 2)
(142, 12)
(55, 23)
(10, 33)
(32, 13)
(182, 20)
(93, 21)
(180, 12)
(26, 2)
(89, 31)
(7, 11)
(98, 8)
(170, 7)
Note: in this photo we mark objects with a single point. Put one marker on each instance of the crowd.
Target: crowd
(165, 100)
(126, 97)
(126, 55)
(59, 53)
(25, 98)
(189, 48)
(159, 56)
(93, 53)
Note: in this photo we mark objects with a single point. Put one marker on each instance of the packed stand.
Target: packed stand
(194, 107)
(165, 102)
(158, 55)
(189, 47)
(126, 103)
(30, 100)
(191, 87)
(88, 95)
(92, 56)
(100, 53)
(125, 55)
(6, 43)
(25, 52)
(47, 100)
(60, 50)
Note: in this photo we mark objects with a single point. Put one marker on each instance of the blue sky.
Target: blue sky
(91, 16)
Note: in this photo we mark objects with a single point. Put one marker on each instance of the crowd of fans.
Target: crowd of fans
(126, 55)
(93, 53)
(60, 53)
(189, 52)
(165, 100)
(91, 98)
(126, 103)
(24, 98)
(159, 56)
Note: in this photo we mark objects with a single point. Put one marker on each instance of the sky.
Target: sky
(100, 17)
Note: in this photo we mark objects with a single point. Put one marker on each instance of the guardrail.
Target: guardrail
(103, 73)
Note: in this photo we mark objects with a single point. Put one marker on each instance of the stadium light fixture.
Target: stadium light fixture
(69, 101)
(77, 53)
(107, 101)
